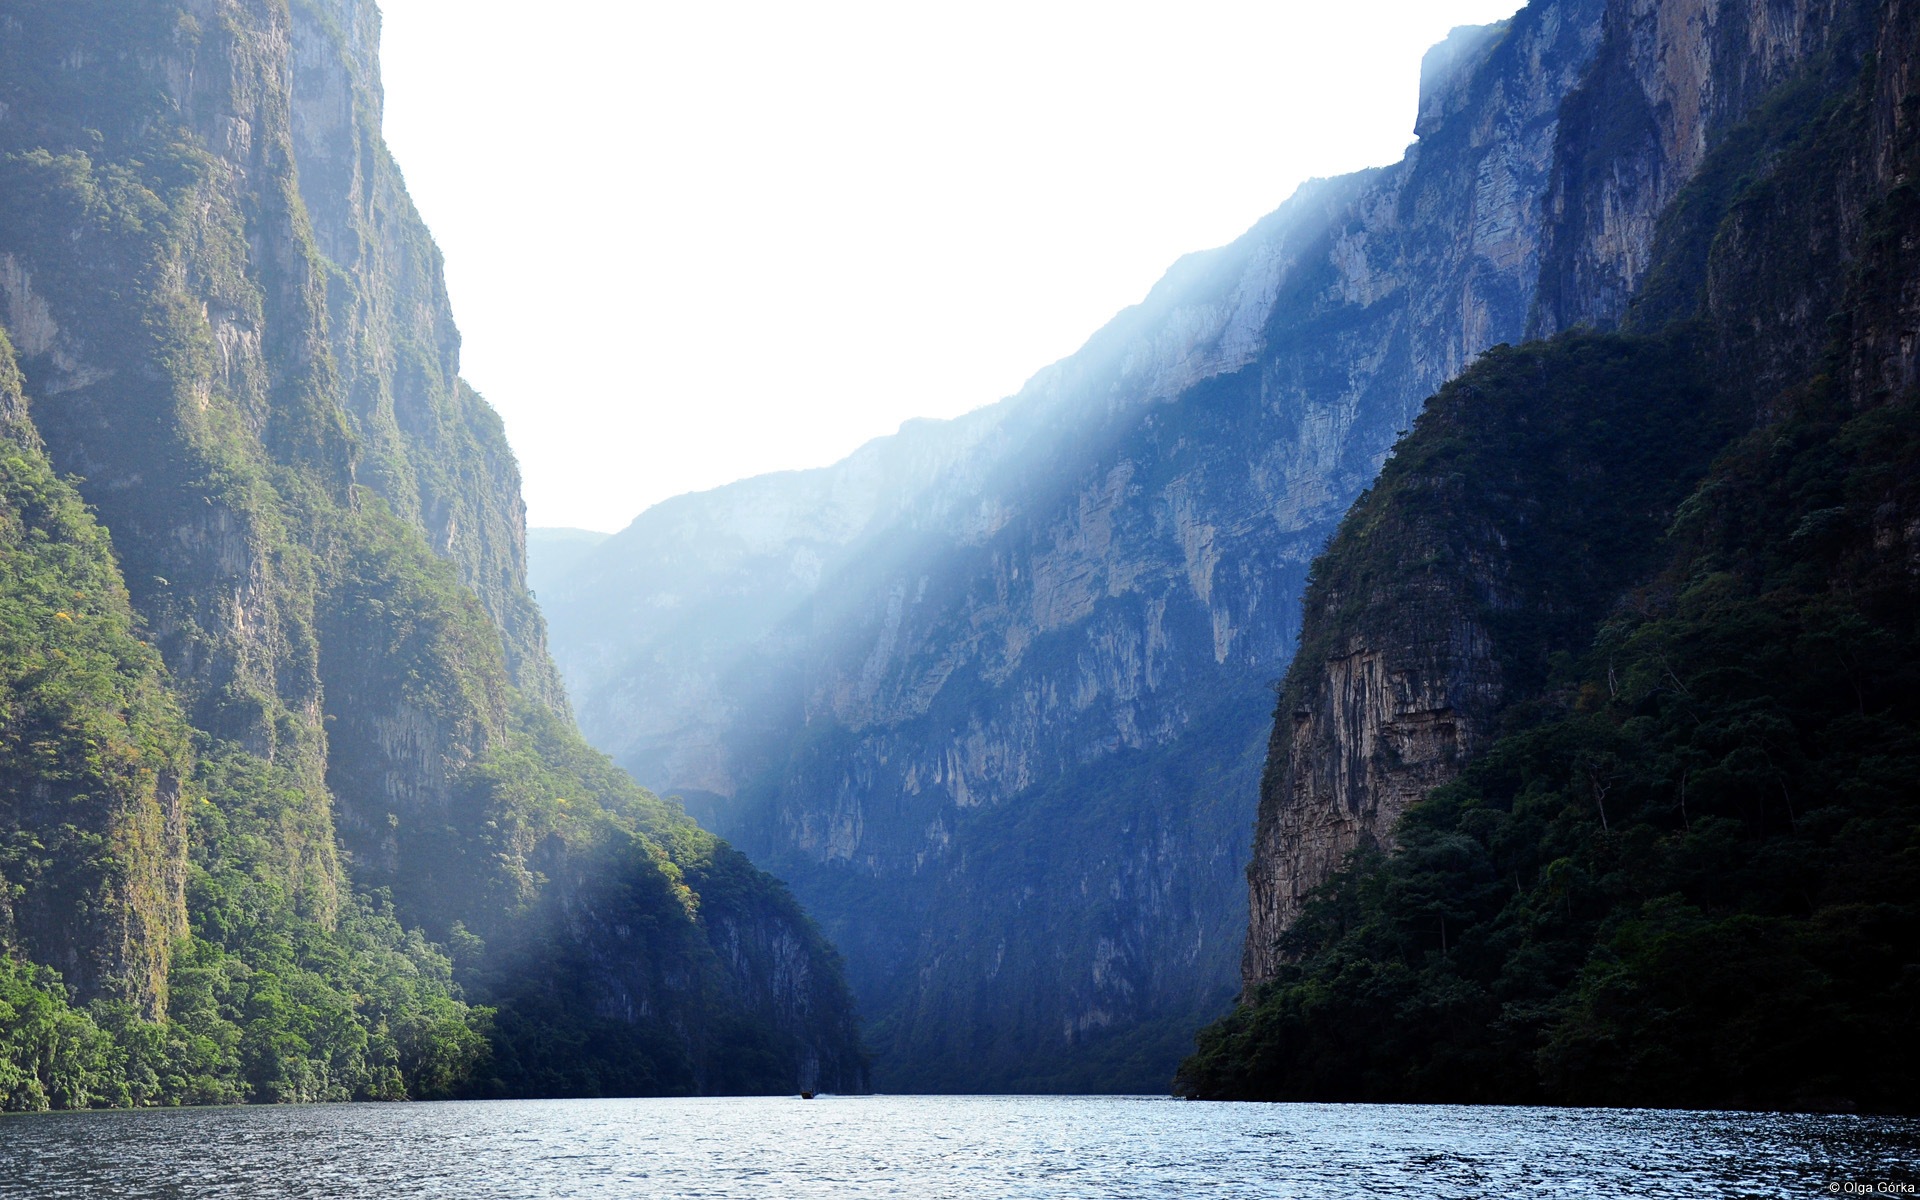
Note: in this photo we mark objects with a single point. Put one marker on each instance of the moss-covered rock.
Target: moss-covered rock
(1673, 862)
(308, 713)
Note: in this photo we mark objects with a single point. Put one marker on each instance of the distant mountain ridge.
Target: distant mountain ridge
(991, 693)
(551, 553)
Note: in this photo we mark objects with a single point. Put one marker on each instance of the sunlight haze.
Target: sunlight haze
(687, 243)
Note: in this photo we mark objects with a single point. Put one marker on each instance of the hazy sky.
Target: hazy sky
(689, 242)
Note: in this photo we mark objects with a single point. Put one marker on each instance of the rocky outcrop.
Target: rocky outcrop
(1676, 548)
(1004, 674)
(235, 338)
(1450, 582)
(1700, 175)
(1671, 79)
(1393, 717)
(90, 756)
(428, 444)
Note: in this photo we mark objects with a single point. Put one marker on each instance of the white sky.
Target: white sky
(694, 241)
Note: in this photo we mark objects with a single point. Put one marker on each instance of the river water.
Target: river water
(934, 1147)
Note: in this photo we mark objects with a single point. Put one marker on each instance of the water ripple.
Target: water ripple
(930, 1148)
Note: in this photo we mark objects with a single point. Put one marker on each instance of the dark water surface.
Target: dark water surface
(933, 1147)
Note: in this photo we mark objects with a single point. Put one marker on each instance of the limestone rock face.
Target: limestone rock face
(1674, 74)
(69, 784)
(428, 444)
(234, 339)
(149, 344)
(991, 692)
(1401, 694)
(1391, 721)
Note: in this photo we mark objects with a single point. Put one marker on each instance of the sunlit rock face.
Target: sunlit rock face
(993, 693)
(1405, 694)
(427, 443)
(234, 344)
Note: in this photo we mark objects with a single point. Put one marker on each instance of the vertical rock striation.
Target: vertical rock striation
(1697, 177)
(1671, 79)
(428, 444)
(233, 336)
(1004, 674)
(93, 750)
(1661, 582)
(1449, 585)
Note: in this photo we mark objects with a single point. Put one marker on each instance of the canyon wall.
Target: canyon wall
(1694, 180)
(237, 358)
(991, 693)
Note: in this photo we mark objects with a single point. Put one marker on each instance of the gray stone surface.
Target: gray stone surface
(991, 693)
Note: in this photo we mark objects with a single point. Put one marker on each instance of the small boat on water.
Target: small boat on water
(806, 1095)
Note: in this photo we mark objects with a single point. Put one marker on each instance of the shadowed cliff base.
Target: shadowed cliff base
(291, 795)
(1670, 859)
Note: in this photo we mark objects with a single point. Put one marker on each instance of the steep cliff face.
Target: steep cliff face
(1693, 737)
(1000, 675)
(1452, 581)
(428, 444)
(233, 335)
(93, 749)
(168, 369)
(1883, 358)
(1705, 171)
(1672, 78)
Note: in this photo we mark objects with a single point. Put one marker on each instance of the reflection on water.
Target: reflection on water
(931, 1147)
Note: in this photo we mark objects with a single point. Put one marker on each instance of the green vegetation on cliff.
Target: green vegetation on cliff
(93, 749)
(209, 985)
(1687, 875)
(285, 774)
(1683, 870)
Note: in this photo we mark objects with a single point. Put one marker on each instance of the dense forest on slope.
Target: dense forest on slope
(1685, 875)
(291, 806)
(105, 793)
(1680, 868)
